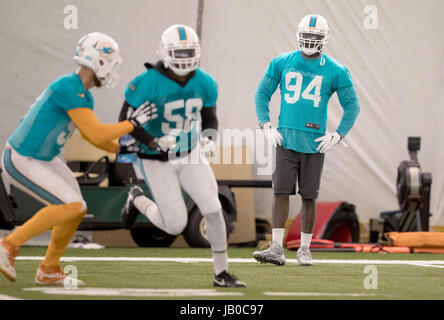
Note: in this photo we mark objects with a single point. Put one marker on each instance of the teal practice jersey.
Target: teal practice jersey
(46, 127)
(178, 105)
(306, 86)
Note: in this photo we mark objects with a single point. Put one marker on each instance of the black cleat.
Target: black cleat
(129, 211)
(226, 280)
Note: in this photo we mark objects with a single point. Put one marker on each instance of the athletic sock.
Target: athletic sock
(278, 235)
(306, 239)
(220, 261)
(60, 238)
(45, 219)
(150, 210)
(217, 237)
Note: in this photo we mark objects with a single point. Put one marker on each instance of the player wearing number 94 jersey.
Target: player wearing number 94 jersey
(183, 93)
(307, 79)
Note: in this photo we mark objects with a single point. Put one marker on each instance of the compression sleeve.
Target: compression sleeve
(209, 118)
(95, 132)
(110, 146)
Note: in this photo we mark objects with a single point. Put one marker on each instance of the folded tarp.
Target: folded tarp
(416, 239)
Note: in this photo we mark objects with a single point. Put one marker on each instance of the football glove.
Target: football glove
(143, 114)
(328, 141)
(166, 143)
(208, 147)
(129, 146)
(273, 136)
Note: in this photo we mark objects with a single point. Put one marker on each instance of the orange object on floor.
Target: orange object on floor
(360, 247)
(416, 239)
(428, 250)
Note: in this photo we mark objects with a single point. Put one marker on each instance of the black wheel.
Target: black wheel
(195, 233)
(151, 237)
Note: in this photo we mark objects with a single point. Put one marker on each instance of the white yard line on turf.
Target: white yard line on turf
(432, 265)
(5, 297)
(135, 292)
(421, 263)
(138, 292)
(370, 261)
(318, 294)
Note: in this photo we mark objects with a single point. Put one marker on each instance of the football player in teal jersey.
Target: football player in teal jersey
(307, 79)
(30, 159)
(170, 145)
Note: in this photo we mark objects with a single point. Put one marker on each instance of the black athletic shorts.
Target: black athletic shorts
(292, 165)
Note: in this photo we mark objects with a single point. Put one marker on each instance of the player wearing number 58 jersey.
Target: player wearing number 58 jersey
(183, 94)
(307, 79)
(179, 105)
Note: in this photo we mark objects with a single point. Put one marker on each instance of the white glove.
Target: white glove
(143, 114)
(129, 146)
(272, 134)
(166, 143)
(208, 147)
(328, 141)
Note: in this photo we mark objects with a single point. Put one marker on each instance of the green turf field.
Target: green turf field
(334, 276)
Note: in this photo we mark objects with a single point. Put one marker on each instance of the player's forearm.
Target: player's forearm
(350, 104)
(138, 133)
(102, 133)
(109, 146)
(209, 118)
(94, 131)
(262, 97)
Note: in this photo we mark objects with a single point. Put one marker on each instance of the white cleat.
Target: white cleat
(274, 254)
(7, 258)
(304, 256)
(55, 276)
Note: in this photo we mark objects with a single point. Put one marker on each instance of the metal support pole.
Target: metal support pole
(200, 10)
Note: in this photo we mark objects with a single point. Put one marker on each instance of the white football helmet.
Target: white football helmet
(312, 34)
(179, 49)
(100, 53)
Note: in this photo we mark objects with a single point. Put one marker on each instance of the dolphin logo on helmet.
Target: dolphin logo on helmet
(100, 53)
